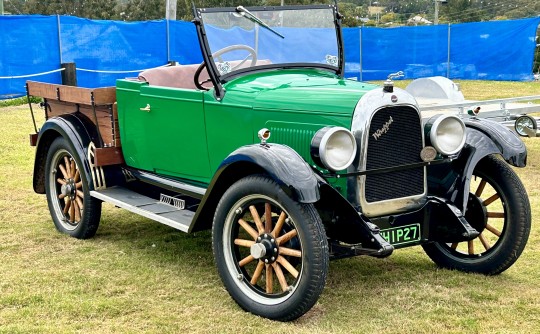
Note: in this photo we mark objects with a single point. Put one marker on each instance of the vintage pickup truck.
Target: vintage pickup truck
(289, 163)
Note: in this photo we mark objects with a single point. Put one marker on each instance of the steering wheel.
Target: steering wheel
(252, 55)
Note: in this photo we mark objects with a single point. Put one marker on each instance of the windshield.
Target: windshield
(240, 38)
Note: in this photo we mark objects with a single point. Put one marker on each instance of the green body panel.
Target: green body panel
(170, 139)
(188, 133)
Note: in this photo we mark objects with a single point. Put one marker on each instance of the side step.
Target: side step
(159, 211)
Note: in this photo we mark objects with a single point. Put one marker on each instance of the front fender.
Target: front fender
(279, 162)
(78, 133)
(484, 137)
(283, 164)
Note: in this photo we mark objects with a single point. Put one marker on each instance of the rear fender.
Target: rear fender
(79, 133)
(484, 137)
(279, 162)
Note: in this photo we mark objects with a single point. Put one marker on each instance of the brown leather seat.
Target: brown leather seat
(181, 76)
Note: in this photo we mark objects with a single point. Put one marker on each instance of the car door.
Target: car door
(176, 132)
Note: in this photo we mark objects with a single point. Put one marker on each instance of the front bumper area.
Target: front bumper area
(438, 221)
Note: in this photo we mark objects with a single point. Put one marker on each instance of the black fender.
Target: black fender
(79, 132)
(283, 164)
(484, 137)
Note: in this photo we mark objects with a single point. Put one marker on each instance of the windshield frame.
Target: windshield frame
(218, 80)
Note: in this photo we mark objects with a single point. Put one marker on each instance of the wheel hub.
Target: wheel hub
(69, 189)
(265, 249)
(476, 213)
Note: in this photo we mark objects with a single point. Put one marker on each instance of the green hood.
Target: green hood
(307, 90)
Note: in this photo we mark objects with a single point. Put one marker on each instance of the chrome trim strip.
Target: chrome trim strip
(366, 108)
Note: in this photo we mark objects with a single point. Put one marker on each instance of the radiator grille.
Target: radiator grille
(399, 142)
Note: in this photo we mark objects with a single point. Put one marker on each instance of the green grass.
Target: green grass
(139, 276)
(18, 101)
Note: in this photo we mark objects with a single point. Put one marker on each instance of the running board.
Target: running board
(159, 211)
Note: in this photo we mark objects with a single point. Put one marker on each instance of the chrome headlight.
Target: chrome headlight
(446, 133)
(333, 148)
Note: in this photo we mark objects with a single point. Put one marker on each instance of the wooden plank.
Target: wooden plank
(109, 156)
(75, 94)
(116, 128)
(41, 89)
(103, 113)
(105, 95)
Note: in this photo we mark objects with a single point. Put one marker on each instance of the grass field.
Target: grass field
(139, 276)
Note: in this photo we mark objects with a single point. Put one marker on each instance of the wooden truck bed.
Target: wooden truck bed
(97, 104)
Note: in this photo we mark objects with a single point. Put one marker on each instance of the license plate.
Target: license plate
(402, 235)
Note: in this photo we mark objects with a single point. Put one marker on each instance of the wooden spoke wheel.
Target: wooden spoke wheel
(271, 251)
(499, 209)
(73, 210)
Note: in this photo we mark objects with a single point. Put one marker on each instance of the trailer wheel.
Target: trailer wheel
(523, 122)
(499, 209)
(271, 251)
(73, 210)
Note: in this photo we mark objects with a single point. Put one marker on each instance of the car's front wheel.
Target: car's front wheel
(499, 209)
(271, 251)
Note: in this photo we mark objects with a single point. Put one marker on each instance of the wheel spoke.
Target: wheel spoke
(250, 230)
(72, 213)
(246, 260)
(77, 176)
(68, 204)
(80, 203)
(63, 170)
(491, 200)
(480, 188)
(80, 194)
(484, 241)
(77, 212)
(257, 273)
(290, 252)
(471, 247)
(78, 185)
(454, 245)
(493, 230)
(256, 218)
(243, 242)
(269, 279)
(267, 218)
(280, 276)
(495, 214)
(279, 224)
(287, 265)
(68, 169)
(72, 168)
(286, 237)
(60, 196)
(62, 182)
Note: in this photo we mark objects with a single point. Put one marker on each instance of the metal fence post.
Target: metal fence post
(361, 54)
(59, 38)
(448, 57)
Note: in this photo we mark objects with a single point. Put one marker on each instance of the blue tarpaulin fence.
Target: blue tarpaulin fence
(104, 51)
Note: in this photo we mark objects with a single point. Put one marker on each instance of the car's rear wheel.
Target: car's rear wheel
(499, 209)
(271, 251)
(73, 210)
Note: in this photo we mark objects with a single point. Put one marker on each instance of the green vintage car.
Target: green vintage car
(289, 163)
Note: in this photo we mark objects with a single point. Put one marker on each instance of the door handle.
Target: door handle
(147, 108)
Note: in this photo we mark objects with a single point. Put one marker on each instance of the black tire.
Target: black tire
(304, 254)
(502, 214)
(523, 122)
(73, 210)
